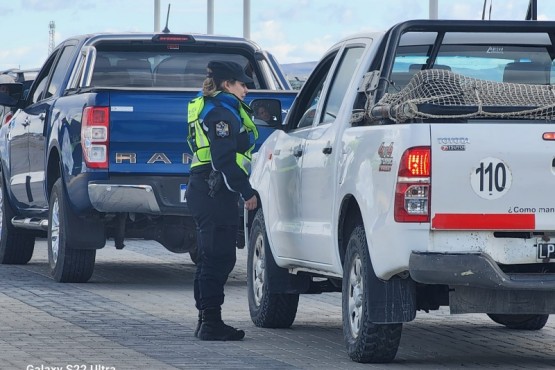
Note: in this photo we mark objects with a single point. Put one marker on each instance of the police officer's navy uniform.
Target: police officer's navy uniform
(221, 136)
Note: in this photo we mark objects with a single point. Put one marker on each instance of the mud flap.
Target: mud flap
(282, 281)
(85, 233)
(392, 301)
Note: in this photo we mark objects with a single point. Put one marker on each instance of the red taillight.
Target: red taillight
(412, 193)
(94, 136)
(415, 162)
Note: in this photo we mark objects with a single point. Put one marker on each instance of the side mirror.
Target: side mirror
(267, 112)
(10, 94)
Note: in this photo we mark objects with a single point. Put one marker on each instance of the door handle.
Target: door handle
(26, 122)
(42, 116)
(327, 150)
(297, 152)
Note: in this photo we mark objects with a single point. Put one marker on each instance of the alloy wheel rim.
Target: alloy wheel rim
(258, 267)
(356, 286)
(55, 231)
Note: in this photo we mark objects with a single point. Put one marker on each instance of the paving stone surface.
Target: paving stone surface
(137, 312)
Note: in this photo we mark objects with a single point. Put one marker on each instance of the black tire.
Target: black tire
(16, 245)
(365, 341)
(520, 322)
(267, 310)
(67, 265)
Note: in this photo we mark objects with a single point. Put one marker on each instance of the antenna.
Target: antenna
(166, 29)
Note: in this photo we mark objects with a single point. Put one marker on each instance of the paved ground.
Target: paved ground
(137, 312)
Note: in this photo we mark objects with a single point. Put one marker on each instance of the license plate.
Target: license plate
(182, 190)
(546, 250)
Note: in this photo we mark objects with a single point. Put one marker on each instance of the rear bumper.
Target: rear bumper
(123, 198)
(155, 195)
(472, 270)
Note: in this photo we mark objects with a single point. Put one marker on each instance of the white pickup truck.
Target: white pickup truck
(417, 170)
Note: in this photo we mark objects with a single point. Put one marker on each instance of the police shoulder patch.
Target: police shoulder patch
(222, 129)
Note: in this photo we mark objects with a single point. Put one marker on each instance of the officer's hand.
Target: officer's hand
(251, 203)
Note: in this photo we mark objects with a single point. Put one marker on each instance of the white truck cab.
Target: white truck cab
(416, 171)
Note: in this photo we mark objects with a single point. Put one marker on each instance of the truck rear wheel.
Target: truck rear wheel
(67, 265)
(520, 322)
(267, 310)
(365, 341)
(16, 245)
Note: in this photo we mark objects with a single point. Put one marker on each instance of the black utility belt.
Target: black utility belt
(203, 170)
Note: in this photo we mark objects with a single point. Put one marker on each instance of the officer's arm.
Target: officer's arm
(223, 128)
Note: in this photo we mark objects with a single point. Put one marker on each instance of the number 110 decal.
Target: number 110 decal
(491, 179)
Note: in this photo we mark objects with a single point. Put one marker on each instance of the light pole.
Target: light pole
(247, 19)
(156, 15)
(210, 17)
(433, 9)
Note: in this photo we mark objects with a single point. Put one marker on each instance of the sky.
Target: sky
(294, 31)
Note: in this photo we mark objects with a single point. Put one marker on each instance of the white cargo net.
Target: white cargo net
(447, 95)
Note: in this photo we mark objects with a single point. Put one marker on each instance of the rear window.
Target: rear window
(500, 63)
(160, 68)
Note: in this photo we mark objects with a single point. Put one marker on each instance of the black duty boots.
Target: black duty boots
(213, 328)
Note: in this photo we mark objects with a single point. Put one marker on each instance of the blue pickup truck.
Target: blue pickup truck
(97, 148)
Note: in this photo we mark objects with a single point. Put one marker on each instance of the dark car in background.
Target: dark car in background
(23, 76)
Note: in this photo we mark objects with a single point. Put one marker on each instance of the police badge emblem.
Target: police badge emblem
(222, 129)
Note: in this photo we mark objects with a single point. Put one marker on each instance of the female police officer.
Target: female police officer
(221, 136)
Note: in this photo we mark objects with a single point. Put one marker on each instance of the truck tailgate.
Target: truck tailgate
(492, 176)
(148, 132)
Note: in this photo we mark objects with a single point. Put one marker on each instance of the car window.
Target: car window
(340, 84)
(306, 104)
(142, 66)
(310, 112)
(493, 62)
(60, 71)
(39, 85)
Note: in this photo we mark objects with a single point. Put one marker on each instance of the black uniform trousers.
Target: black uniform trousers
(217, 221)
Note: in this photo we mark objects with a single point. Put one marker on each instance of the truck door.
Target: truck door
(37, 118)
(18, 162)
(321, 154)
(284, 220)
(18, 137)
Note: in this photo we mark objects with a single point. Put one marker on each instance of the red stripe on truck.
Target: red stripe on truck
(480, 221)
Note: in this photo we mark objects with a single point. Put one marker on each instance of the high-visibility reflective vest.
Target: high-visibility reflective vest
(197, 138)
